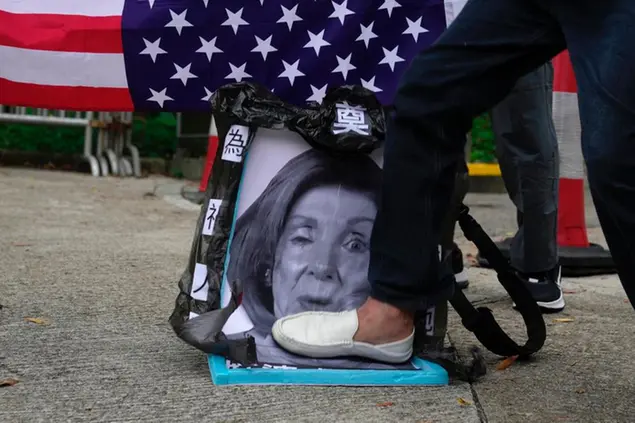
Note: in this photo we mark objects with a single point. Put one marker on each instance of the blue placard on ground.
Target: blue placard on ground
(427, 373)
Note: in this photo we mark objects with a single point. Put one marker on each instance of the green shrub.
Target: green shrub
(483, 145)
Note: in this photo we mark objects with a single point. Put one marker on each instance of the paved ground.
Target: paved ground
(96, 260)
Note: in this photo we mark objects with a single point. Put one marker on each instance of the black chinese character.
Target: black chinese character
(236, 144)
(211, 216)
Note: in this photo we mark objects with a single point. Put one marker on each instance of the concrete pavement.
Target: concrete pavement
(95, 262)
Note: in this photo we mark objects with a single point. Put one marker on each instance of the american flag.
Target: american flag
(171, 55)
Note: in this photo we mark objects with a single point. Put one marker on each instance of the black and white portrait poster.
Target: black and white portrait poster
(300, 240)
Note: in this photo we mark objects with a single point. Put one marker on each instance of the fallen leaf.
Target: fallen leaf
(8, 382)
(507, 362)
(626, 301)
(564, 320)
(385, 404)
(580, 391)
(462, 402)
(36, 320)
(19, 244)
(569, 291)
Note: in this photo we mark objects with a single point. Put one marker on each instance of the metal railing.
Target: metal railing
(108, 147)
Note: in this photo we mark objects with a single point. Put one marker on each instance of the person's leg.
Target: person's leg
(601, 41)
(451, 250)
(472, 67)
(527, 150)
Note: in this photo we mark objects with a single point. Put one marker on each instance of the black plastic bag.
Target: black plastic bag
(348, 126)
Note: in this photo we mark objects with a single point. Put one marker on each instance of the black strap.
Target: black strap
(481, 321)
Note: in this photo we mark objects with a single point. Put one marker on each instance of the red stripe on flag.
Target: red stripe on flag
(564, 78)
(72, 33)
(65, 98)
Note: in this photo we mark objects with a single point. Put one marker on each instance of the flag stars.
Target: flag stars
(264, 46)
(391, 58)
(367, 33)
(318, 94)
(160, 97)
(234, 20)
(344, 66)
(289, 16)
(178, 21)
(291, 71)
(238, 72)
(208, 95)
(340, 11)
(389, 6)
(415, 28)
(153, 49)
(208, 48)
(183, 73)
(316, 41)
(370, 85)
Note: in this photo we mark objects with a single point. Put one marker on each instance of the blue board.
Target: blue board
(427, 373)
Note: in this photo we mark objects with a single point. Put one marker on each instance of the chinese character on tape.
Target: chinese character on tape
(350, 119)
(235, 143)
(211, 215)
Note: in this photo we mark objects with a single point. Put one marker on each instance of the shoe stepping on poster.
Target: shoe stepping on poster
(285, 228)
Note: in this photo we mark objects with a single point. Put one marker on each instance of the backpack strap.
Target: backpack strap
(481, 321)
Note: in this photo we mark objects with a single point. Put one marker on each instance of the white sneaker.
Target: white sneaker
(327, 335)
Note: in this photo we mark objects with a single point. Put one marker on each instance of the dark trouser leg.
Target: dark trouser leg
(527, 150)
(601, 43)
(471, 68)
(461, 187)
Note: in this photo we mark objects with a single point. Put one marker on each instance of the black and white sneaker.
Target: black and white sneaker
(546, 289)
(460, 274)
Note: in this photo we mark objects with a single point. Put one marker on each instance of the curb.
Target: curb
(485, 178)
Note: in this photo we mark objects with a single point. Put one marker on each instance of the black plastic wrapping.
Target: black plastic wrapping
(255, 107)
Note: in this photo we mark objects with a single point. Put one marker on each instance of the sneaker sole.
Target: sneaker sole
(555, 306)
(461, 276)
(461, 279)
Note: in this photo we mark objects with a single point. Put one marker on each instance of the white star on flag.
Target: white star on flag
(291, 72)
(389, 5)
(370, 85)
(415, 28)
(152, 49)
(160, 97)
(178, 21)
(234, 20)
(340, 11)
(318, 94)
(391, 58)
(208, 95)
(367, 33)
(264, 47)
(344, 66)
(183, 73)
(238, 73)
(316, 41)
(208, 47)
(151, 2)
(289, 16)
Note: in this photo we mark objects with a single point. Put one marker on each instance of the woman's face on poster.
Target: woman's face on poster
(323, 254)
